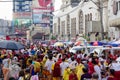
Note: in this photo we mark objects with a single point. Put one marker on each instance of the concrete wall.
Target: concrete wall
(73, 12)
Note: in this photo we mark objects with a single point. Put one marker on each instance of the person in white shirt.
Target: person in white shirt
(73, 62)
(63, 66)
(114, 65)
(97, 69)
(49, 64)
(6, 62)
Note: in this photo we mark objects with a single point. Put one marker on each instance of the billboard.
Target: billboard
(22, 15)
(42, 10)
(41, 3)
(41, 16)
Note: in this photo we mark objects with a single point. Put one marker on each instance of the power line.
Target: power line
(14, 1)
(6, 1)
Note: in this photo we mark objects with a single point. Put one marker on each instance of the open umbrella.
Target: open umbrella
(95, 43)
(11, 45)
(59, 44)
(78, 43)
(118, 59)
(80, 39)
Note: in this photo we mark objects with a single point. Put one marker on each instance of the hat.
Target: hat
(5, 54)
(15, 58)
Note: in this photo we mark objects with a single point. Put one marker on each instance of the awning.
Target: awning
(114, 23)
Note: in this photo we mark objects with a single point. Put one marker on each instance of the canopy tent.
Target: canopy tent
(97, 43)
(80, 39)
(60, 44)
(114, 43)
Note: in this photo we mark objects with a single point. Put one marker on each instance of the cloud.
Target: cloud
(58, 4)
(6, 10)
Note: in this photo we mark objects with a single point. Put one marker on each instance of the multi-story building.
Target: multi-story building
(5, 27)
(114, 18)
(42, 17)
(22, 16)
(80, 17)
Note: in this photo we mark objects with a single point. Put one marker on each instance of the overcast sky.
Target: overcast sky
(6, 9)
(57, 5)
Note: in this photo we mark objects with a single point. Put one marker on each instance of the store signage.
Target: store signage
(22, 15)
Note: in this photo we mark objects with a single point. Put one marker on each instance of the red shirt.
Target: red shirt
(112, 78)
(73, 76)
(91, 68)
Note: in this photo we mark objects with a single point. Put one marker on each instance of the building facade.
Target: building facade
(5, 27)
(22, 16)
(114, 18)
(42, 19)
(81, 17)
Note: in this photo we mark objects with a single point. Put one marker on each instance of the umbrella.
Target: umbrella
(95, 43)
(58, 44)
(45, 45)
(80, 39)
(118, 59)
(11, 45)
(114, 43)
(78, 43)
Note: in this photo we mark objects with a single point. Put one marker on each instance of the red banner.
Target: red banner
(44, 3)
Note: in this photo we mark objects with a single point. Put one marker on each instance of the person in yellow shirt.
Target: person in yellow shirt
(27, 62)
(44, 60)
(79, 70)
(27, 74)
(66, 73)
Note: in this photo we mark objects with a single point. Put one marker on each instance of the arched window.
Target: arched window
(68, 24)
(58, 25)
(73, 27)
(81, 22)
(90, 16)
(86, 20)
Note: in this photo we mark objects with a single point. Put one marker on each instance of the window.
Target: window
(66, 2)
(63, 27)
(86, 17)
(90, 16)
(80, 22)
(58, 25)
(86, 24)
(73, 27)
(119, 5)
(68, 24)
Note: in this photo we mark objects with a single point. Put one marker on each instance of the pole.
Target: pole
(101, 18)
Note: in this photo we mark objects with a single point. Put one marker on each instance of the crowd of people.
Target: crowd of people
(37, 62)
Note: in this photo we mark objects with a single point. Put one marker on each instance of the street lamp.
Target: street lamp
(100, 9)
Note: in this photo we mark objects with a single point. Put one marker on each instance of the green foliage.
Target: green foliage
(53, 37)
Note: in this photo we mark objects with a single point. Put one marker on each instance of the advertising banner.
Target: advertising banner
(42, 12)
(22, 15)
(41, 3)
(41, 16)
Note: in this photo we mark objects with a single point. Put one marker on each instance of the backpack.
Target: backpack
(56, 71)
